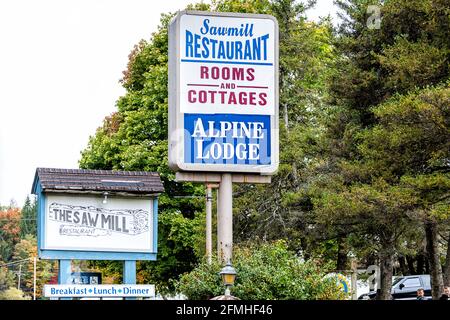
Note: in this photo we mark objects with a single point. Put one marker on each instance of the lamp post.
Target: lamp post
(228, 274)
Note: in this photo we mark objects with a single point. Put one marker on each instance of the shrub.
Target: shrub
(266, 271)
(13, 294)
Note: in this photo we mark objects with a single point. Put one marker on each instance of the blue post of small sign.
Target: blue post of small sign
(64, 273)
(129, 273)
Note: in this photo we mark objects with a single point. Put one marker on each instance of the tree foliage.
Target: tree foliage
(26, 250)
(135, 138)
(364, 143)
(28, 223)
(9, 232)
(389, 125)
(6, 278)
(13, 294)
(266, 271)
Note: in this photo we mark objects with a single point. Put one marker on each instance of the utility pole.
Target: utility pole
(20, 273)
(34, 278)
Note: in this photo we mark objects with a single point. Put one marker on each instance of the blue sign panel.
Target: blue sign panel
(227, 139)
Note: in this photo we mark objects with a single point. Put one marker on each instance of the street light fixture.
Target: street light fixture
(105, 200)
(228, 274)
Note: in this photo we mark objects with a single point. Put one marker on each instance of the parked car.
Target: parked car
(405, 288)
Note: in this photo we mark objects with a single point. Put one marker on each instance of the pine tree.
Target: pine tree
(28, 223)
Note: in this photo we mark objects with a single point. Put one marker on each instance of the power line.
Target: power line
(21, 219)
(14, 262)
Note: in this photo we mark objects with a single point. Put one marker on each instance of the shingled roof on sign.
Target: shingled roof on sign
(138, 182)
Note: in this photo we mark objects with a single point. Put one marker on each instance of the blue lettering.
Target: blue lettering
(197, 46)
(230, 51)
(244, 30)
(205, 28)
(238, 50)
(189, 48)
(205, 52)
(257, 49)
(264, 39)
(221, 53)
(213, 42)
(247, 52)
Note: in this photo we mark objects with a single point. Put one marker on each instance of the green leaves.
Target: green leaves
(364, 146)
(412, 135)
(268, 271)
(412, 64)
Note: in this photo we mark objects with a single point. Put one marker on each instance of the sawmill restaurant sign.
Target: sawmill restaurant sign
(223, 92)
(86, 223)
(97, 214)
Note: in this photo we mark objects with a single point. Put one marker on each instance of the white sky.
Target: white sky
(60, 65)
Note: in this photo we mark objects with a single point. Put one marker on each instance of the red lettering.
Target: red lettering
(202, 98)
(238, 73)
(191, 99)
(227, 73)
(250, 74)
(204, 72)
(222, 96)
(253, 98)
(243, 98)
(232, 98)
(212, 95)
(262, 99)
(215, 73)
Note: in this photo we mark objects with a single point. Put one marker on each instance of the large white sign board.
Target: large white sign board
(85, 223)
(223, 92)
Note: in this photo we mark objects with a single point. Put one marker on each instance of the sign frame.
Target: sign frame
(176, 118)
(44, 253)
(89, 207)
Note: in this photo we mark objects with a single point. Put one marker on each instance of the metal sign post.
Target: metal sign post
(225, 217)
(208, 222)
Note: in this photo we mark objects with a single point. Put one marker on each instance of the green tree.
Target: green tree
(26, 250)
(6, 278)
(265, 271)
(13, 294)
(135, 138)
(28, 218)
(411, 143)
(306, 53)
(380, 70)
(9, 232)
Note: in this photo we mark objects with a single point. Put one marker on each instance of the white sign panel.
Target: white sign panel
(223, 92)
(99, 290)
(85, 223)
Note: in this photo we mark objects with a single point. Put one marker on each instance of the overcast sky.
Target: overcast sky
(60, 65)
